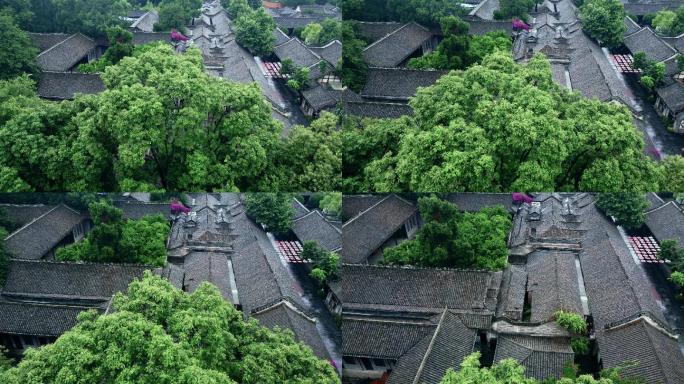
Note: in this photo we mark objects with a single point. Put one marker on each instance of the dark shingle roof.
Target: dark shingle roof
(374, 31)
(47, 40)
(299, 208)
(648, 42)
(542, 357)
(45, 280)
(37, 319)
(631, 26)
(657, 354)
(393, 49)
(22, 214)
(397, 84)
(287, 316)
(377, 110)
(137, 210)
(146, 21)
(648, 7)
(512, 294)
(287, 22)
(65, 54)
(140, 38)
(65, 85)
(331, 52)
(362, 235)
(352, 205)
(212, 267)
(654, 201)
(373, 288)
(315, 227)
(473, 202)
(673, 96)
(301, 55)
(481, 27)
(552, 284)
(39, 236)
(666, 222)
(382, 338)
(280, 36)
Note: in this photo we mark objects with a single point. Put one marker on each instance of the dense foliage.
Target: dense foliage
(5, 362)
(115, 240)
(499, 126)
(626, 207)
(571, 321)
(604, 21)
(426, 12)
(90, 17)
(452, 239)
(459, 50)
(509, 371)
(319, 34)
(652, 72)
(669, 23)
(353, 70)
(274, 210)
(120, 46)
(176, 14)
(6, 227)
(253, 27)
(162, 123)
(158, 334)
(17, 52)
(324, 264)
(331, 203)
(509, 9)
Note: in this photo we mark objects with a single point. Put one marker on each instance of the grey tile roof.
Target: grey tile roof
(673, 96)
(542, 357)
(301, 55)
(286, 316)
(377, 338)
(22, 214)
(36, 238)
(631, 26)
(65, 54)
(393, 84)
(393, 49)
(174, 274)
(648, 42)
(654, 201)
(374, 31)
(319, 97)
(65, 85)
(37, 319)
(299, 208)
(657, 354)
(140, 38)
(280, 36)
(331, 52)
(552, 284)
(642, 8)
(485, 10)
(137, 210)
(362, 235)
(47, 40)
(406, 368)
(352, 205)
(374, 288)
(375, 110)
(146, 22)
(512, 294)
(212, 267)
(666, 222)
(287, 22)
(315, 227)
(57, 281)
(481, 27)
(473, 202)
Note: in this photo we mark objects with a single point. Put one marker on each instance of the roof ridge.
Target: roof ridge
(671, 202)
(409, 267)
(419, 372)
(44, 261)
(390, 34)
(367, 209)
(64, 41)
(31, 222)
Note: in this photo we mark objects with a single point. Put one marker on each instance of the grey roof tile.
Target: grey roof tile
(666, 222)
(542, 357)
(374, 110)
(65, 85)
(65, 54)
(314, 226)
(648, 42)
(393, 49)
(37, 319)
(393, 84)
(552, 284)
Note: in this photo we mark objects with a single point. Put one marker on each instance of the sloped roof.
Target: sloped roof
(36, 238)
(65, 54)
(301, 55)
(481, 27)
(137, 210)
(375, 288)
(37, 319)
(377, 110)
(512, 294)
(542, 357)
(280, 36)
(47, 40)
(299, 208)
(473, 202)
(631, 26)
(397, 84)
(146, 22)
(394, 48)
(140, 38)
(56, 281)
(485, 10)
(287, 316)
(331, 52)
(24, 213)
(654, 200)
(374, 31)
(212, 267)
(648, 7)
(287, 22)
(314, 226)
(673, 96)
(362, 235)
(375, 338)
(657, 354)
(666, 222)
(352, 205)
(648, 42)
(65, 85)
(552, 284)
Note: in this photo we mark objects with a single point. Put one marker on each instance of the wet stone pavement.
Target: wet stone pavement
(673, 308)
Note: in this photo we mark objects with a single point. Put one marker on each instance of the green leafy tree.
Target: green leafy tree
(5, 362)
(19, 10)
(331, 203)
(452, 239)
(571, 321)
(325, 264)
(311, 33)
(502, 126)
(513, 9)
(626, 207)
(604, 21)
(670, 250)
(669, 23)
(353, 68)
(113, 239)
(274, 210)
(157, 334)
(677, 278)
(176, 14)
(672, 169)
(120, 46)
(17, 52)
(90, 17)
(316, 34)
(254, 31)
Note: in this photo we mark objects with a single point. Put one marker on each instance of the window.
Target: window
(349, 360)
(367, 364)
(379, 362)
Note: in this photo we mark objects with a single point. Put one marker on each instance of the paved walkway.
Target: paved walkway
(673, 309)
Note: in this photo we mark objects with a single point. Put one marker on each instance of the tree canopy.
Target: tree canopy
(499, 126)
(604, 21)
(509, 9)
(626, 207)
(325, 264)
(253, 27)
(426, 12)
(669, 23)
(176, 14)
(90, 17)
(274, 210)
(157, 334)
(452, 239)
(116, 240)
(17, 52)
